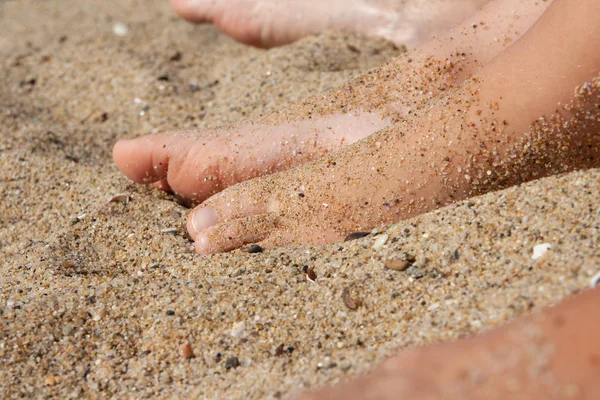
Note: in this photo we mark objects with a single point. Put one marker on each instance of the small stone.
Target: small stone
(540, 249)
(176, 56)
(238, 329)
(279, 350)
(416, 270)
(120, 29)
(380, 241)
(254, 248)
(51, 380)
(232, 362)
(311, 275)
(456, 254)
(186, 352)
(349, 301)
(170, 312)
(356, 235)
(398, 265)
(353, 49)
(144, 110)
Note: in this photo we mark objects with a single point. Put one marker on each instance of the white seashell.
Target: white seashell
(238, 329)
(120, 198)
(540, 249)
(120, 29)
(380, 241)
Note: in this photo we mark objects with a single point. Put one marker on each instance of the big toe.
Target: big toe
(135, 160)
(196, 11)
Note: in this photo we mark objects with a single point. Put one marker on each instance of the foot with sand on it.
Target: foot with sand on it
(511, 122)
(198, 164)
(268, 23)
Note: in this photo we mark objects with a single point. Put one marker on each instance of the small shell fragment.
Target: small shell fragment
(349, 301)
(356, 235)
(238, 329)
(123, 198)
(169, 230)
(120, 29)
(540, 249)
(311, 275)
(186, 352)
(279, 350)
(380, 241)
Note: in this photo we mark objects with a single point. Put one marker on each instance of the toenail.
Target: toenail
(202, 243)
(204, 218)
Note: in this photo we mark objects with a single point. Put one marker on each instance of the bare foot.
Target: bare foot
(551, 355)
(267, 23)
(480, 137)
(198, 164)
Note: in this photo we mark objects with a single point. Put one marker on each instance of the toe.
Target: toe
(233, 234)
(163, 185)
(239, 201)
(196, 11)
(156, 158)
(201, 219)
(144, 159)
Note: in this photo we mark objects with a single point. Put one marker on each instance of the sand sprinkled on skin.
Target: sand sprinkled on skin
(95, 301)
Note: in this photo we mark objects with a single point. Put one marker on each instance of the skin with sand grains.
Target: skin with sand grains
(267, 23)
(392, 174)
(195, 166)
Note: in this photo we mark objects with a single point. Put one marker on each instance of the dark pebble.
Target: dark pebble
(301, 194)
(170, 312)
(176, 56)
(254, 248)
(349, 301)
(311, 274)
(356, 235)
(353, 49)
(232, 362)
(279, 350)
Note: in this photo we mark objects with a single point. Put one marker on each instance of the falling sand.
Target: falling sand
(101, 293)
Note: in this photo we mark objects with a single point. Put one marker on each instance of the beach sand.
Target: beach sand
(103, 298)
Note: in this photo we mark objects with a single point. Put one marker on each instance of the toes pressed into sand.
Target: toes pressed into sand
(230, 220)
(236, 233)
(172, 162)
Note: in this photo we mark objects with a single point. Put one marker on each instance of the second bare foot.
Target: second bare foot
(267, 23)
